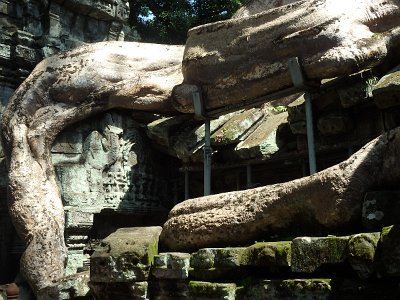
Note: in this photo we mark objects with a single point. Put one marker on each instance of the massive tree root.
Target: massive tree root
(245, 58)
(231, 61)
(330, 199)
(60, 91)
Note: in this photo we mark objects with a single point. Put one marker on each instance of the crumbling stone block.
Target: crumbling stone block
(125, 255)
(362, 249)
(310, 253)
(173, 265)
(200, 290)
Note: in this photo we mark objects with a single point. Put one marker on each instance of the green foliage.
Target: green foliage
(167, 22)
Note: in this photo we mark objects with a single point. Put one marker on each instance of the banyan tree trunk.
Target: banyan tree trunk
(330, 199)
(60, 91)
(245, 58)
(231, 61)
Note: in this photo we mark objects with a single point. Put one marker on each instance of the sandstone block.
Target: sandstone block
(173, 265)
(192, 139)
(236, 128)
(162, 129)
(362, 249)
(78, 220)
(269, 254)
(218, 257)
(264, 140)
(201, 290)
(125, 255)
(310, 253)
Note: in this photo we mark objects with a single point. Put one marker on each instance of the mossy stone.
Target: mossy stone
(310, 253)
(362, 248)
(277, 254)
(200, 290)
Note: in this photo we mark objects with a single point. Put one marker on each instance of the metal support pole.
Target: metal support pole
(186, 184)
(207, 158)
(299, 81)
(310, 134)
(200, 112)
(248, 173)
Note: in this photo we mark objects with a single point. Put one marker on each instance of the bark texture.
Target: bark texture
(331, 198)
(257, 6)
(244, 58)
(60, 91)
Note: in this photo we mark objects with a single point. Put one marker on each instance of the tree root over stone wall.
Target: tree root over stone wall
(62, 90)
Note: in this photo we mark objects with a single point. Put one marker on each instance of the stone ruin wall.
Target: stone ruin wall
(105, 169)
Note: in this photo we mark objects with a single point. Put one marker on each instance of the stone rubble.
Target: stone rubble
(331, 267)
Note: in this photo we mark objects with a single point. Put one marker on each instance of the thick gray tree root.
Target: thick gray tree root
(245, 58)
(62, 90)
(331, 199)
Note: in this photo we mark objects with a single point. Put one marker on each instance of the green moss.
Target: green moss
(202, 289)
(269, 254)
(306, 284)
(385, 232)
(362, 246)
(152, 251)
(336, 247)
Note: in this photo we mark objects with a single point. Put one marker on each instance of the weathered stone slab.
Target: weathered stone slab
(264, 140)
(218, 258)
(386, 92)
(162, 129)
(172, 265)
(269, 254)
(265, 254)
(192, 139)
(310, 253)
(78, 220)
(201, 290)
(126, 255)
(235, 129)
(362, 249)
